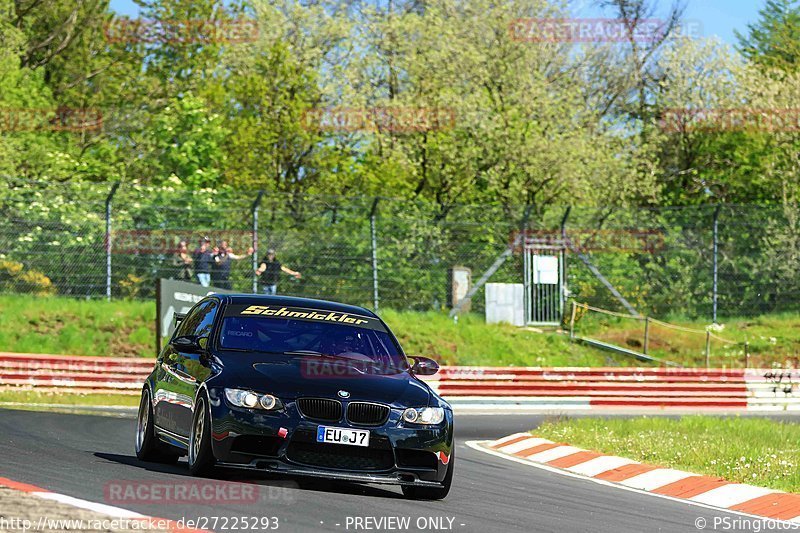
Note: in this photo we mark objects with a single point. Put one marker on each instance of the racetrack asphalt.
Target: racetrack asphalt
(84, 455)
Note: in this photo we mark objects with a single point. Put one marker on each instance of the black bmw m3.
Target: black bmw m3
(300, 387)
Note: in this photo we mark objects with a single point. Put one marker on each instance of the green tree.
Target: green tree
(774, 41)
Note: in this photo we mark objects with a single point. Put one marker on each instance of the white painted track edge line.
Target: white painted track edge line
(479, 445)
(100, 508)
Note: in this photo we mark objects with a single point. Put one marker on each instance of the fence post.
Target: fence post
(708, 349)
(374, 234)
(563, 259)
(572, 322)
(716, 265)
(646, 334)
(254, 212)
(494, 267)
(110, 196)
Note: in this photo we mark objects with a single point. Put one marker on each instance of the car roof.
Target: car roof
(292, 301)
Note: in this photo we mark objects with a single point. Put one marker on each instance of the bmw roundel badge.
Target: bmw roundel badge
(344, 394)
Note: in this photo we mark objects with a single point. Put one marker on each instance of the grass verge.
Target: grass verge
(757, 451)
(773, 339)
(127, 329)
(65, 398)
(30, 324)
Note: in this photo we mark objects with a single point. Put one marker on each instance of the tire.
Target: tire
(433, 493)
(201, 457)
(147, 445)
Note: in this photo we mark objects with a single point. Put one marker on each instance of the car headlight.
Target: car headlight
(252, 400)
(423, 415)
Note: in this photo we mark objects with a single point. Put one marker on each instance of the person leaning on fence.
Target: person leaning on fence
(182, 262)
(203, 259)
(270, 271)
(221, 268)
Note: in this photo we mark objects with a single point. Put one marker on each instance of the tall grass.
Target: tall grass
(757, 451)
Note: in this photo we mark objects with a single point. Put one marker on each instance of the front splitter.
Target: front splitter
(261, 465)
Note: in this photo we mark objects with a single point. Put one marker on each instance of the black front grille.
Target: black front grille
(416, 459)
(257, 445)
(320, 409)
(340, 456)
(367, 414)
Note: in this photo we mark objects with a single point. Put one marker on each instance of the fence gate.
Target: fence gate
(545, 283)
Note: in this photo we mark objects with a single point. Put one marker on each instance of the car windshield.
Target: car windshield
(308, 338)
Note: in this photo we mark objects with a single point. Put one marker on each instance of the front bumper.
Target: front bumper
(284, 442)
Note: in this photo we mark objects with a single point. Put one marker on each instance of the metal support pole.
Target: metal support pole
(646, 334)
(110, 196)
(494, 266)
(374, 234)
(708, 349)
(254, 211)
(572, 322)
(563, 259)
(716, 264)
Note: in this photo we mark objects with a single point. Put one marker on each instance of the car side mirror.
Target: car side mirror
(424, 366)
(187, 343)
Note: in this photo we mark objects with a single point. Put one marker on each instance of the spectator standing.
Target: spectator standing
(203, 259)
(270, 271)
(182, 262)
(221, 269)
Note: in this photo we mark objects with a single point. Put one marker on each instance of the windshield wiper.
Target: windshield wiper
(304, 352)
(320, 354)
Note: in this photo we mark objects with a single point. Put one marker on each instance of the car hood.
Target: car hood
(303, 376)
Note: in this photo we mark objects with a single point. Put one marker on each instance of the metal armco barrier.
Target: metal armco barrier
(581, 388)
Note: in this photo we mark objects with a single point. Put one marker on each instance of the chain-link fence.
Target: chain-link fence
(90, 240)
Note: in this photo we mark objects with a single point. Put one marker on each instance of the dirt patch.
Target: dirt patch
(19, 509)
(46, 327)
(119, 344)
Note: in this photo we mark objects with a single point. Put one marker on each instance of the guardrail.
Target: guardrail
(765, 389)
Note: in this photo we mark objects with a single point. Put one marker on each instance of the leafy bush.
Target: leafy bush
(14, 277)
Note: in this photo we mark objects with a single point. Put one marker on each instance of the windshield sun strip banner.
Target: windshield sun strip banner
(325, 316)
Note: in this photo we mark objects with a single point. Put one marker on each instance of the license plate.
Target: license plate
(352, 437)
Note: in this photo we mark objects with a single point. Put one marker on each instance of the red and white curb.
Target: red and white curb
(99, 508)
(706, 491)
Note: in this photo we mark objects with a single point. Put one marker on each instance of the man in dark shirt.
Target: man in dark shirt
(221, 269)
(270, 271)
(202, 262)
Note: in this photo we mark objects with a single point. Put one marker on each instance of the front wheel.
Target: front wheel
(148, 447)
(433, 493)
(201, 457)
